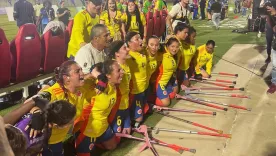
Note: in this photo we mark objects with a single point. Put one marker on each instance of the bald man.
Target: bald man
(93, 52)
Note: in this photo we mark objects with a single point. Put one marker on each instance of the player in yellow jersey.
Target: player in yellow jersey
(134, 20)
(83, 23)
(111, 17)
(97, 129)
(191, 41)
(138, 69)
(181, 33)
(121, 122)
(69, 87)
(204, 60)
(166, 83)
(152, 48)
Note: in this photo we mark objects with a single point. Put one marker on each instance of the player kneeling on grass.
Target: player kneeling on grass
(166, 83)
(57, 114)
(96, 130)
(204, 59)
(121, 122)
(138, 69)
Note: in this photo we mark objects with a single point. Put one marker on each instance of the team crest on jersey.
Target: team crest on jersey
(165, 92)
(119, 129)
(112, 101)
(143, 65)
(139, 111)
(91, 146)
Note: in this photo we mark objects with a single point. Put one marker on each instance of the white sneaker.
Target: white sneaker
(259, 35)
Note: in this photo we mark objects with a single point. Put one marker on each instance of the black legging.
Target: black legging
(202, 12)
(269, 37)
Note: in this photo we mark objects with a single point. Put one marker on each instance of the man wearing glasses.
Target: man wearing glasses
(83, 23)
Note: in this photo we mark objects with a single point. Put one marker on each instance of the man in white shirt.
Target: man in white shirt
(178, 13)
(93, 52)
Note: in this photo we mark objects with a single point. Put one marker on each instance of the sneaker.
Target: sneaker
(259, 35)
(268, 60)
(272, 89)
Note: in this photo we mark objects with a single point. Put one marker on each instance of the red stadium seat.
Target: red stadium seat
(157, 23)
(162, 29)
(53, 50)
(5, 60)
(149, 18)
(70, 27)
(26, 53)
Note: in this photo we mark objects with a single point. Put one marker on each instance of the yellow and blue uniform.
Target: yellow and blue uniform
(81, 100)
(138, 69)
(83, 23)
(97, 129)
(122, 118)
(134, 25)
(185, 57)
(112, 25)
(151, 66)
(203, 59)
(166, 75)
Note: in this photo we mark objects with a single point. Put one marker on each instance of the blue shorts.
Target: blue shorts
(121, 121)
(163, 91)
(87, 144)
(182, 75)
(53, 150)
(137, 105)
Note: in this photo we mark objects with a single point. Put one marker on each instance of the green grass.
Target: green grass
(224, 38)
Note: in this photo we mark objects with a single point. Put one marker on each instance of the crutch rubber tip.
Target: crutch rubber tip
(193, 150)
(234, 82)
(220, 131)
(180, 151)
(236, 75)
(241, 89)
(231, 86)
(214, 113)
(249, 109)
(225, 109)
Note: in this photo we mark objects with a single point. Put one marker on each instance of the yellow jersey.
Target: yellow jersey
(134, 25)
(83, 23)
(138, 69)
(124, 87)
(167, 68)
(112, 25)
(203, 58)
(81, 100)
(185, 55)
(151, 66)
(102, 106)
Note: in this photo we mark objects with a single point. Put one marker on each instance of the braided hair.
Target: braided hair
(64, 69)
(58, 112)
(138, 18)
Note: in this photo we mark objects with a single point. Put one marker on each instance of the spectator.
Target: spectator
(93, 53)
(147, 6)
(209, 11)
(83, 23)
(272, 87)
(244, 7)
(216, 10)
(37, 7)
(23, 12)
(47, 14)
(195, 9)
(63, 14)
(111, 17)
(202, 4)
(178, 13)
